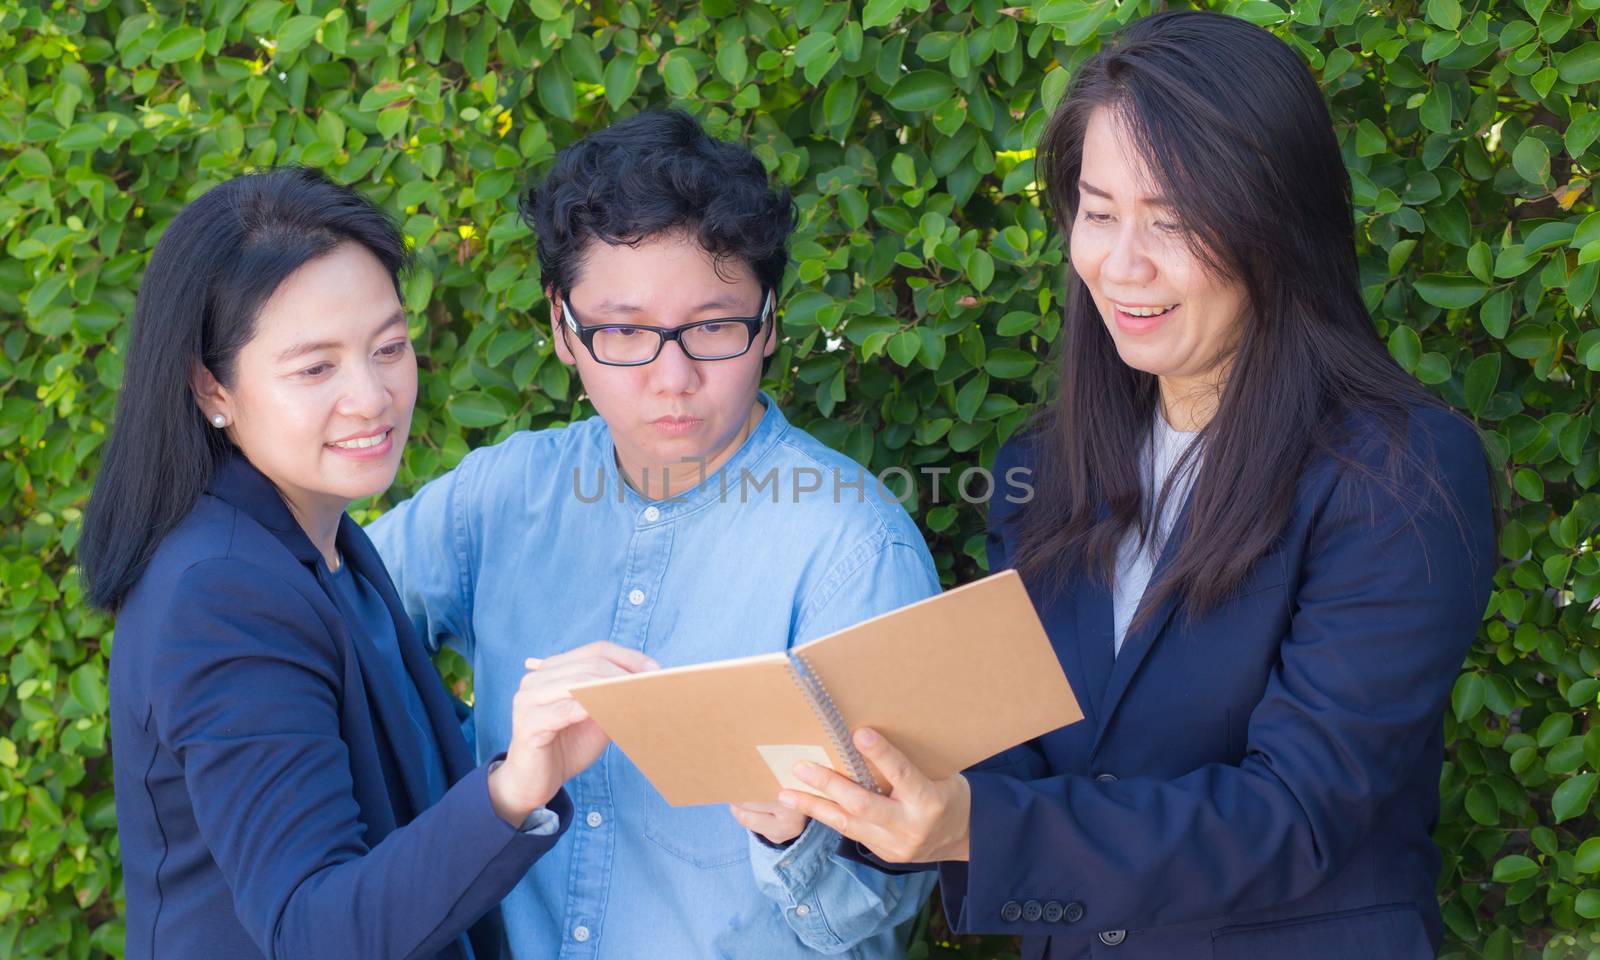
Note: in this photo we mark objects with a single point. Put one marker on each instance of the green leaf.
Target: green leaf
(920, 90)
(296, 32)
(1581, 65)
(1406, 347)
(476, 410)
(1481, 262)
(732, 61)
(980, 270)
(1515, 867)
(1437, 112)
(1466, 699)
(179, 43)
(1587, 904)
(1445, 13)
(904, 347)
(1006, 363)
(679, 75)
(556, 92)
(1449, 291)
(621, 79)
(878, 13)
(1571, 799)
(1587, 859)
(1531, 159)
(1480, 380)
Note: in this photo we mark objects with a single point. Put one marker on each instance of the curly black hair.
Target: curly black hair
(650, 174)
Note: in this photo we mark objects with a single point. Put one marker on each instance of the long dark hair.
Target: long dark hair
(1237, 136)
(216, 265)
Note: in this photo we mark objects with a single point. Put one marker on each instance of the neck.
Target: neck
(320, 521)
(1189, 403)
(646, 479)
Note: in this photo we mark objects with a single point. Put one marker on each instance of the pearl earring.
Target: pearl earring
(219, 421)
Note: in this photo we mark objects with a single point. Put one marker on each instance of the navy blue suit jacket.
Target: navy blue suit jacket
(1259, 781)
(271, 800)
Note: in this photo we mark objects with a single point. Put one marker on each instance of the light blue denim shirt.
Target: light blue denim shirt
(534, 546)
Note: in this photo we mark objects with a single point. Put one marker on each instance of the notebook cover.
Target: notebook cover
(951, 680)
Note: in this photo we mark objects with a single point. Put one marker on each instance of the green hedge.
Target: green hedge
(922, 303)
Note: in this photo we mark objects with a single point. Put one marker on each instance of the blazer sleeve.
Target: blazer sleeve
(246, 688)
(1394, 586)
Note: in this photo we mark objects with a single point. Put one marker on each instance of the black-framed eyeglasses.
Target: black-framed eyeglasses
(634, 345)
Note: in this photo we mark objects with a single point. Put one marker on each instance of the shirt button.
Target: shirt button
(651, 514)
(1053, 911)
(636, 597)
(594, 819)
(1105, 777)
(1011, 912)
(1113, 937)
(802, 911)
(581, 934)
(1032, 911)
(1073, 912)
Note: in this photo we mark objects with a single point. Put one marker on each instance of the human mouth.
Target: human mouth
(366, 446)
(1141, 319)
(674, 426)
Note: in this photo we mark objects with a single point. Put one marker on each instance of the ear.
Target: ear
(772, 328)
(559, 331)
(209, 394)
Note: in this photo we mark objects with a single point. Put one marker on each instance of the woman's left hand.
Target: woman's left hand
(920, 821)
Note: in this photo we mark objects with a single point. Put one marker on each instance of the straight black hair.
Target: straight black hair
(1237, 136)
(218, 262)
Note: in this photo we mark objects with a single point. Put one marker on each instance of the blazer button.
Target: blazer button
(1073, 912)
(1113, 937)
(1053, 911)
(1105, 777)
(1032, 911)
(1011, 911)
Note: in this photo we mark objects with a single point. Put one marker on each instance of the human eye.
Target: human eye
(622, 333)
(716, 327)
(393, 351)
(315, 371)
(1093, 217)
(1168, 226)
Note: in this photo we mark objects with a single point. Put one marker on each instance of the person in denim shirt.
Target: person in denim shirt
(688, 520)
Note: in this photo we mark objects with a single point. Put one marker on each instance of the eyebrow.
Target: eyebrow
(312, 346)
(1093, 190)
(731, 301)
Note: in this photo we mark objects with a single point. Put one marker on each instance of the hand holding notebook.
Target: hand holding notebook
(950, 680)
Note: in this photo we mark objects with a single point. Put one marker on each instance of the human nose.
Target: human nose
(365, 395)
(1127, 263)
(672, 371)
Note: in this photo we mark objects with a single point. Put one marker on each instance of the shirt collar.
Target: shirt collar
(768, 431)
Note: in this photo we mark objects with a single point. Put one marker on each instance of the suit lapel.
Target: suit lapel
(363, 558)
(1092, 605)
(1137, 644)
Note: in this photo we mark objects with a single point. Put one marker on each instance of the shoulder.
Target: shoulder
(1430, 447)
(510, 460)
(219, 562)
(848, 503)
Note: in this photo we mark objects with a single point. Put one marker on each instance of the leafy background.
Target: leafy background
(917, 316)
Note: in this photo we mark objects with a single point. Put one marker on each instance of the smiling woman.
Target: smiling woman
(280, 731)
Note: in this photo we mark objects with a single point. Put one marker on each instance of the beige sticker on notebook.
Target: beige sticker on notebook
(782, 757)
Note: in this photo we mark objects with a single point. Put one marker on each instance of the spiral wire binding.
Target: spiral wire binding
(827, 712)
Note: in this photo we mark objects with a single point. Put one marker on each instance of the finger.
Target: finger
(773, 809)
(907, 782)
(629, 659)
(532, 663)
(854, 799)
(829, 814)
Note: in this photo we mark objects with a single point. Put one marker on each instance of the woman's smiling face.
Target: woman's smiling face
(1167, 313)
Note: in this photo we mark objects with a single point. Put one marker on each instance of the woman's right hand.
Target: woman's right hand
(552, 736)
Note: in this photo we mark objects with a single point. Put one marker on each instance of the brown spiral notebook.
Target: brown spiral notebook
(950, 680)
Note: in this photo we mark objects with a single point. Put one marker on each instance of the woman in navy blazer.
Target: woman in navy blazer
(291, 777)
(1260, 549)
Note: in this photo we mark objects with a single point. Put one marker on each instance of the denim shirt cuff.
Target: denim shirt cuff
(789, 875)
